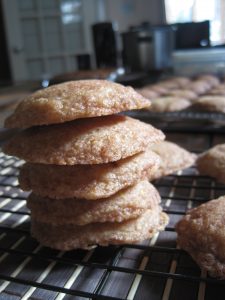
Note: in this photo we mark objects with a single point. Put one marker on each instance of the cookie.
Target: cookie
(173, 158)
(169, 104)
(126, 204)
(88, 181)
(147, 93)
(182, 81)
(73, 100)
(201, 234)
(186, 94)
(68, 237)
(212, 162)
(220, 86)
(199, 86)
(169, 84)
(85, 141)
(216, 92)
(211, 103)
(210, 79)
(157, 88)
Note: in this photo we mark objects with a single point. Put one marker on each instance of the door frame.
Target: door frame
(14, 37)
(14, 40)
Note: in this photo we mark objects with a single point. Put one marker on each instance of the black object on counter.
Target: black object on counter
(105, 38)
(192, 35)
(83, 61)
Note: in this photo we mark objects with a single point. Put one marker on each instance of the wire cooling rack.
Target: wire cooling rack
(153, 269)
(178, 116)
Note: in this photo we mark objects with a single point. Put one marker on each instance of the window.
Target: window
(199, 10)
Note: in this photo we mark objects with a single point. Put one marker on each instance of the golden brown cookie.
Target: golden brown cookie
(211, 103)
(201, 233)
(216, 92)
(85, 141)
(68, 237)
(199, 86)
(210, 79)
(212, 162)
(158, 88)
(169, 104)
(73, 100)
(186, 94)
(169, 84)
(147, 93)
(88, 181)
(126, 204)
(173, 158)
(182, 81)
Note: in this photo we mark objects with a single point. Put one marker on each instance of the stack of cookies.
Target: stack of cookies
(87, 166)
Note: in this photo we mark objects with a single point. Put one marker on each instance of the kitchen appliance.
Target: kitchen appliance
(105, 39)
(192, 35)
(148, 48)
(83, 61)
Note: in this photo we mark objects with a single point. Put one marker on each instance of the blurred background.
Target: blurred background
(58, 40)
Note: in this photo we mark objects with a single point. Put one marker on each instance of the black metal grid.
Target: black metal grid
(153, 269)
(177, 116)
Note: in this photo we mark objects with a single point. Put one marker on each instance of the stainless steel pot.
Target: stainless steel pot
(148, 49)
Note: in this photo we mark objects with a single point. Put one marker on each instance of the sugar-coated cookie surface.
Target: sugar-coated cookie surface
(88, 181)
(147, 93)
(68, 237)
(182, 81)
(211, 103)
(173, 158)
(73, 100)
(201, 233)
(218, 90)
(85, 141)
(199, 86)
(183, 93)
(212, 80)
(212, 162)
(127, 204)
(169, 103)
(157, 88)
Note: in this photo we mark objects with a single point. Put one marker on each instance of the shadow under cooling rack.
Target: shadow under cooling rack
(153, 269)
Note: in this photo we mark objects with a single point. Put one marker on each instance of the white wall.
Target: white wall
(133, 12)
